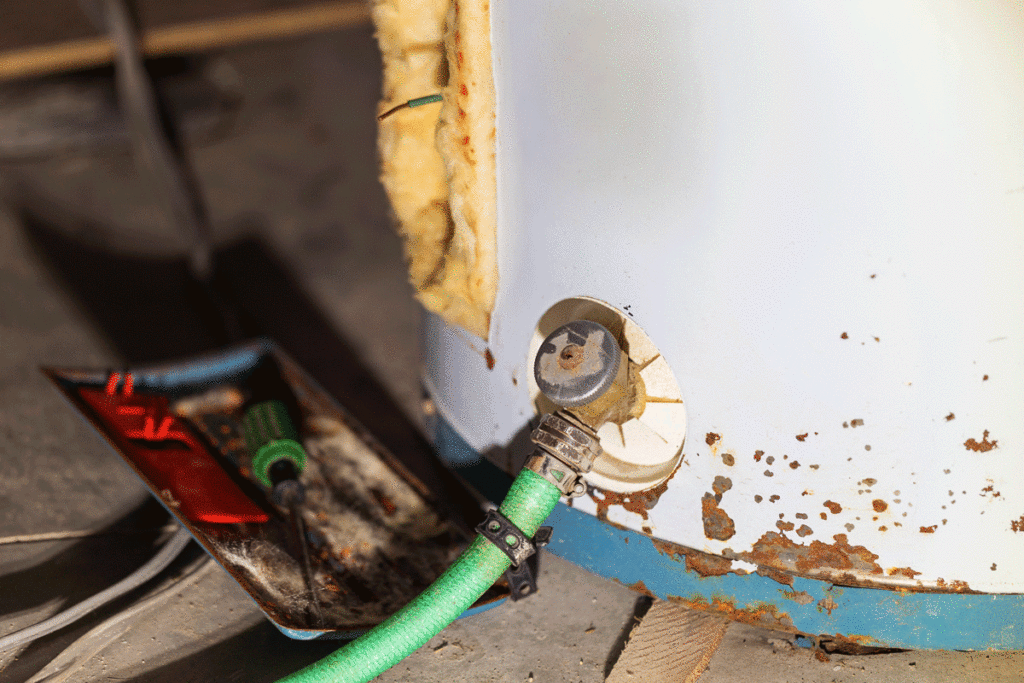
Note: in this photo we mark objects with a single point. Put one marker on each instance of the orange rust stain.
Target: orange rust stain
(765, 615)
(775, 575)
(463, 89)
(772, 547)
(757, 456)
(821, 656)
(929, 529)
(638, 502)
(717, 524)
(879, 505)
(785, 526)
(489, 358)
(854, 640)
(639, 587)
(720, 486)
(950, 417)
(801, 437)
(827, 604)
(804, 530)
(844, 336)
(904, 571)
(728, 459)
(834, 508)
(1017, 524)
(711, 438)
(793, 465)
(954, 586)
(704, 564)
(460, 57)
(465, 139)
(982, 446)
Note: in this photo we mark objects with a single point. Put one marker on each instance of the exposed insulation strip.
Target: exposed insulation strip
(438, 160)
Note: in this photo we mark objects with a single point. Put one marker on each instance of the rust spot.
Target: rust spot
(463, 90)
(465, 139)
(717, 524)
(868, 482)
(857, 422)
(720, 486)
(883, 528)
(821, 656)
(876, 339)
(769, 473)
(801, 437)
(844, 336)
(758, 499)
(823, 515)
(834, 508)
(793, 465)
(950, 417)
(773, 498)
(954, 586)
(929, 529)
(770, 459)
(827, 604)
(1017, 524)
(799, 597)
(704, 564)
(904, 571)
(785, 526)
(711, 439)
(804, 530)
(459, 57)
(639, 587)
(646, 529)
(853, 643)
(777, 550)
(801, 515)
(757, 456)
(489, 358)
(984, 378)
(775, 575)
(879, 505)
(764, 615)
(386, 503)
(983, 446)
(638, 502)
(728, 459)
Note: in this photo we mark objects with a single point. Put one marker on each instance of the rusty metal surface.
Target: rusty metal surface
(374, 532)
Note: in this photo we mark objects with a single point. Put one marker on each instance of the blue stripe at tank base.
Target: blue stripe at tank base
(877, 617)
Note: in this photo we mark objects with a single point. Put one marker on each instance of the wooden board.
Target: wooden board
(47, 36)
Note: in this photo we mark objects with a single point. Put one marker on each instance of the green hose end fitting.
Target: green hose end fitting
(271, 438)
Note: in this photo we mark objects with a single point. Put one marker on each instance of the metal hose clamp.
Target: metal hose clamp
(566, 450)
(510, 539)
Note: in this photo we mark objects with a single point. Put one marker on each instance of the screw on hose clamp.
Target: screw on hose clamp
(510, 539)
(568, 439)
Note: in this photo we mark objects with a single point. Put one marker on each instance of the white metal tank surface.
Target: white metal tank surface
(807, 220)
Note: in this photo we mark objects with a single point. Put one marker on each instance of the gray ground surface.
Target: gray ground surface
(298, 172)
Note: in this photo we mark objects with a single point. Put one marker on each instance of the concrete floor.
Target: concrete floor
(296, 176)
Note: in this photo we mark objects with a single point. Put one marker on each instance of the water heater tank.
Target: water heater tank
(804, 223)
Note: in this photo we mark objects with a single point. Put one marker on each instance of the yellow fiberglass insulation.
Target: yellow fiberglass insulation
(437, 161)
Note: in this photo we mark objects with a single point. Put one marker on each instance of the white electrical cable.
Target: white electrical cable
(143, 574)
(71, 660)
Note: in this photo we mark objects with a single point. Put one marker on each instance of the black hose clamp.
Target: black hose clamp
(510, 539)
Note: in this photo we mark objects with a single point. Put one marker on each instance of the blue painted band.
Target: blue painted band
(878, 617)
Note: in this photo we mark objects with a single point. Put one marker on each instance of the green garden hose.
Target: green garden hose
(528, 503)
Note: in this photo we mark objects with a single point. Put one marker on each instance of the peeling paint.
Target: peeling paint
(827, 604)
(903, 571)
(717, 524)
(638, 502)
(704, 564)
(764, 615)
(982, 446)
(778, 551)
